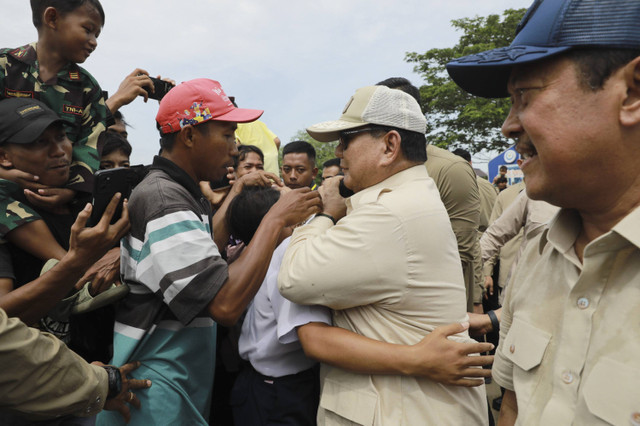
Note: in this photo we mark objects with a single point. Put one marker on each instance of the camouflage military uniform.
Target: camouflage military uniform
(76, 97)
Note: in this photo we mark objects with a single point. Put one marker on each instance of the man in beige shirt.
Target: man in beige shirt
(386, 262)
(459, 191)
(570, 335)
(524, 214)
(509, 250)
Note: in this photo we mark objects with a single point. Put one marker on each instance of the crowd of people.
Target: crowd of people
(234, 288)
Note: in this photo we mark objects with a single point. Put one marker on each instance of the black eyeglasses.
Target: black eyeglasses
(347, 135)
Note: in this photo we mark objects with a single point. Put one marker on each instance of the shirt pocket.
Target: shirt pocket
(351, 402)
(611, 392)
(525, 346)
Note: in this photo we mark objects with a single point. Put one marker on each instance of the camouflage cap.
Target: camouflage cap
(24, 120)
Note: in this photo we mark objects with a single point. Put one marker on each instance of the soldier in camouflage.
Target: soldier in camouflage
(65, 87)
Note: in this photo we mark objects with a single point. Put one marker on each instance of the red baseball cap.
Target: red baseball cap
(196, 101)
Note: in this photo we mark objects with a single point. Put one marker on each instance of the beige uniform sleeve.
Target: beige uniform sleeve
(504, 228)
(42, 378)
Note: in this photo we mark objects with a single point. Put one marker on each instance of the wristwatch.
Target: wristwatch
(115, 381)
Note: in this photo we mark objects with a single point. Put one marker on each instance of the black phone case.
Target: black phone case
(105, 185)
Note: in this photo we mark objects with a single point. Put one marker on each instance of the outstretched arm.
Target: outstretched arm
(248, 271)
(436, 357)
(86, 245)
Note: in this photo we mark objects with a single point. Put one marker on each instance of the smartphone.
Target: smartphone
(342, 188)
(161, 88)
(105, 185)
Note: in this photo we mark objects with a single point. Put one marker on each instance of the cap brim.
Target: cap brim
(486, 74)
(35, 128)
(329, 131)
(240, 115)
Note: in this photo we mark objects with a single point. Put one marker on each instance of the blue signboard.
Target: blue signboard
(507, 158)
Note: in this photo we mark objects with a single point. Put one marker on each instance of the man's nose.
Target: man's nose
(512, 128)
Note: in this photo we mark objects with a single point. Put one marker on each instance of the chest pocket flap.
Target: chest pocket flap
(612, 393)
(525, 344)
(355, 400)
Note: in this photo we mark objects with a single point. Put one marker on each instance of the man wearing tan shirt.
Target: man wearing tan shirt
(386, 263)
(570, 336)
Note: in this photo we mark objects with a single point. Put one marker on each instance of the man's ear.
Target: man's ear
(392, 149)
(50, 17)
(5, 158)
(315, 172)
(187, 136)
(630, 109)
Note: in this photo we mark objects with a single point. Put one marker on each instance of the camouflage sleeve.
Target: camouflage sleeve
(13, 213)
(86, 158)
(3, 70)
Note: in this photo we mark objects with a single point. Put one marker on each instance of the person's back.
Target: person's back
(488, 196)
(458, 188)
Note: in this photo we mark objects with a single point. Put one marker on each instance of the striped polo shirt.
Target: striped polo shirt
(174, 270)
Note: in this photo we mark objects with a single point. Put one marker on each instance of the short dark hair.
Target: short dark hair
(300, 147)
(460, 152)
(247, 209)
(403, 84)
(111, 141)
(412, 144)
(243, 150)
(331, 162)
(167, 140)
(62, 6)
(596, 65)
(503, 167)
(502, 179)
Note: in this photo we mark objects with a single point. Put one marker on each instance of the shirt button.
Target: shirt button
(512, 348)
(567, 377)
(98, 399)
(583, 303)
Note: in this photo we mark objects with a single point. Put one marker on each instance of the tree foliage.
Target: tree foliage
(454, 117)
(324, 150)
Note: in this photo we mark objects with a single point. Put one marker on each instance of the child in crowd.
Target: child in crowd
(278, 384)
(48, 70)
(116, 150)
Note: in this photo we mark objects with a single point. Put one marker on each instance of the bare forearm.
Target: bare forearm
(508, 409)
(247, 273)
(350, 351)
(36, 238)
(33, 300)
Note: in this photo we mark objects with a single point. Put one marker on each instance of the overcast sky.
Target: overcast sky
(299, 61)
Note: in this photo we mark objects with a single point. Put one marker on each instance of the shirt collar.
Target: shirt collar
(27, 54)
(177, 174)
(565, 226)
(371, 194)
(628, 227)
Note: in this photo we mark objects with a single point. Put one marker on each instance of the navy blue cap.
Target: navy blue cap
(24, 120)
(548, 28)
